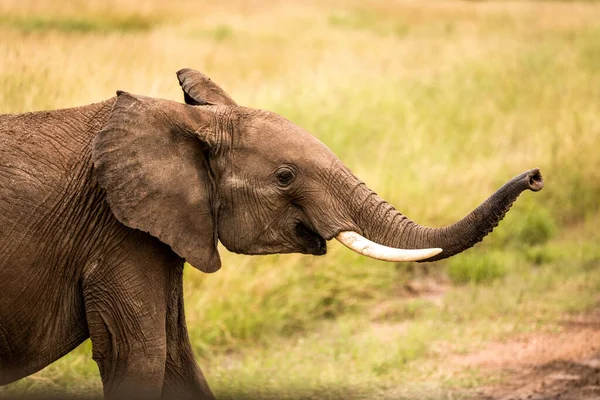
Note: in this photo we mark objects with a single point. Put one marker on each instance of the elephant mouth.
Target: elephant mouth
(313, 243)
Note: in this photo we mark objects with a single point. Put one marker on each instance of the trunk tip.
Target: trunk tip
(536, 182)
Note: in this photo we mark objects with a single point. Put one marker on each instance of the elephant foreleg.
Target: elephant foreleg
(129, 369)
(183, 378)
(126, 299)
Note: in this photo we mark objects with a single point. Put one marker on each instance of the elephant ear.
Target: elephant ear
(151, 159)
(200, 90)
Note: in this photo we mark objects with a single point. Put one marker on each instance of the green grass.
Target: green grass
(75, 25)
(433, 105)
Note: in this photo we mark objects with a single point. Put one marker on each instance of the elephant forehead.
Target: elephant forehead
(279, 140)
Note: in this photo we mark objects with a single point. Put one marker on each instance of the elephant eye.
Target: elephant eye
(285, 176)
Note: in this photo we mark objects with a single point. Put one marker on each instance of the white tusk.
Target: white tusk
(364, 246)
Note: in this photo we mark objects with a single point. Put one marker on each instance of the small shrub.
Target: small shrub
(476, 268)
(537, 227)
(525, 227)
(540, 255)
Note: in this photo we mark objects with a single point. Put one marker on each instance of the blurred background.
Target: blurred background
(434, 104)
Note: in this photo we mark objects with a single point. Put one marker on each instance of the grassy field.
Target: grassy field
(433, 104)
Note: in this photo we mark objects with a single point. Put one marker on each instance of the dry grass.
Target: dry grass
(433, 104)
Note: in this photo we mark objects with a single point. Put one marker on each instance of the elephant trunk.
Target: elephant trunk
(382, 224)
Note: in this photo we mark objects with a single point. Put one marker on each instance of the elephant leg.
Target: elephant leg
(183, 377)
(126, 299)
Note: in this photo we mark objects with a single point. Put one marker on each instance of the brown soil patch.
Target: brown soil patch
(563, 365)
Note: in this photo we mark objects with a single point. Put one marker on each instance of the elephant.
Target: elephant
(101, 205)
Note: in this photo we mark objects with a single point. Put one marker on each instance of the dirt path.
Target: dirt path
(564, 365)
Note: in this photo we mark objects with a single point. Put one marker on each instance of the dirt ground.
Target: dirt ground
(564, 365)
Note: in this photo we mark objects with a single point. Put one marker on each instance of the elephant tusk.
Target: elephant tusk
(364, 246)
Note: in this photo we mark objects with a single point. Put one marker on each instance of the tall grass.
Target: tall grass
(434, 105)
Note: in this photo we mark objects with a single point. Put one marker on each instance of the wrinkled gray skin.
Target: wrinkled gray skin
(101, 204)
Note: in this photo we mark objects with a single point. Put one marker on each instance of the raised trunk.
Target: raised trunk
(381, 223)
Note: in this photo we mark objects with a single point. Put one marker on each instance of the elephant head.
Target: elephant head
(193, 174)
